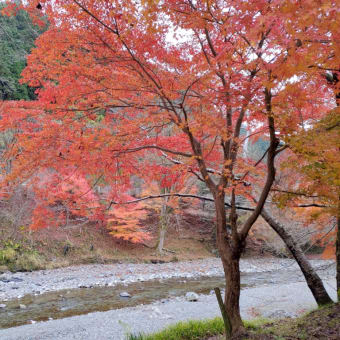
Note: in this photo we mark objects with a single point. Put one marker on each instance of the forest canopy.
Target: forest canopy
(17, 36)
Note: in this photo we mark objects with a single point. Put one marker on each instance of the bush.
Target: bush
(7, 255)
(16, 257)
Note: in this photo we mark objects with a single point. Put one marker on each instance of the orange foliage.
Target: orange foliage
(124, 223)
(124, 86)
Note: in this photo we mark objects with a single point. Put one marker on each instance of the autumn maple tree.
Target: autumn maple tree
(315, 192)
(314, 157)
(176, 79)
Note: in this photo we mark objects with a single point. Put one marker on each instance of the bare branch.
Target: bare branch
(311, 205)
(145, 147)
(296, 193)
(203, 198)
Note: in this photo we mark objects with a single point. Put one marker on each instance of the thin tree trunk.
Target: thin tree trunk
(162, 232)
(337, 251)
(163, 221)
(334, 81)
(221, 304)
(312, 278)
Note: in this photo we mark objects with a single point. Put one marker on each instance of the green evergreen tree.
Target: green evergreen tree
(17, 36)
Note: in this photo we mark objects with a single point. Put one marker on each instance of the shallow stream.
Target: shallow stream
(65, 303)
(70, 302)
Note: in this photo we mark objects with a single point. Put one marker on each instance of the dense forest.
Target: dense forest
(17, 36)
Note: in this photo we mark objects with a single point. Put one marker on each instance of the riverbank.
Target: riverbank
(322, 323)
(16, 285)
(188, 238)
(52, 248)
(269, 301)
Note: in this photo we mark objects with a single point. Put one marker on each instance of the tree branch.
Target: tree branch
(294, 193)
(270, 169)
(311, 205)
(203, 198)
(179, 153)
(95, 17)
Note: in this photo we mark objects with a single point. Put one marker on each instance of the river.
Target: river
(153, 288)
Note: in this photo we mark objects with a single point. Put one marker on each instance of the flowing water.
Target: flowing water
(65, 303)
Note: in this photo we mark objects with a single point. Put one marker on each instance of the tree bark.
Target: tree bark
(160, 245)
(312, 278)
(230, 252)
(337, 256)
(223, 312)
(232, 293)
(163, 220)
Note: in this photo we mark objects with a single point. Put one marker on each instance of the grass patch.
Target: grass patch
(320, 324)
(16, 256)
(256, 323)
(191, 330)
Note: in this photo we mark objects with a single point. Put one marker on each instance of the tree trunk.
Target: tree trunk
(338, 257)
(221, 304)
(232, 294)
(312, 278)
(163, 221)
(230, 256)
(231, 266)
(162, 232)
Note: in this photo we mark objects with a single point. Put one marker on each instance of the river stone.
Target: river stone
(124, 295)
(156, 310)
(2, 305)
(191, 296)
(22, 306)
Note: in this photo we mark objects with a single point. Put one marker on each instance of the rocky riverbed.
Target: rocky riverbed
(17, 285)
(109, 301)
(271, 301)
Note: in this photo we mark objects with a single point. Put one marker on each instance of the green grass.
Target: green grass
(191, 330)
(195, 330)
(322, 323)
(18, 257)
(256, 323)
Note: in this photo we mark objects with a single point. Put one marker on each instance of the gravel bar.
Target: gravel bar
(273, 300)
(16, 285)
